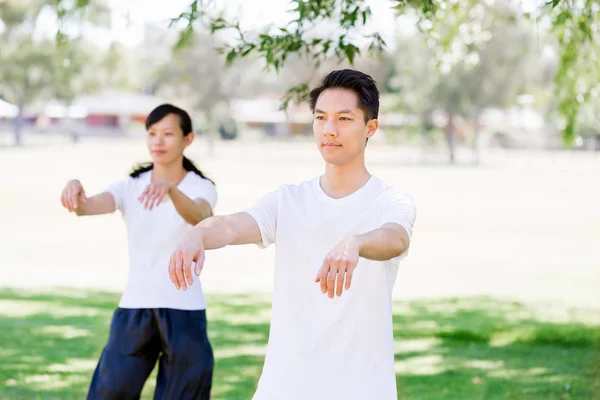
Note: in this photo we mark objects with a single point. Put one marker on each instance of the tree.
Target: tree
(197, 76)
(499, 62)
(33, 68)
(574, 23)
(493, 72)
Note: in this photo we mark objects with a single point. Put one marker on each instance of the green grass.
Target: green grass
(471, 348)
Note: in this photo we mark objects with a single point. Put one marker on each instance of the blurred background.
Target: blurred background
(490, 118)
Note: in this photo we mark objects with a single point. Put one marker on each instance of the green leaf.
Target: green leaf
(185, 38)
(247, 51)
(231, 55)
(80, 4)
(351, 51)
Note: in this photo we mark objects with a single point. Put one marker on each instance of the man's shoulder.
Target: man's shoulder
(391, 193)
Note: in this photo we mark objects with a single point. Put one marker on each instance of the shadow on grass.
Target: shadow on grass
(484, 348)
(476, 348)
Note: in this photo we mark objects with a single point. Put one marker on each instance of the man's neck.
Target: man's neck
(173, 172)
(343, 180)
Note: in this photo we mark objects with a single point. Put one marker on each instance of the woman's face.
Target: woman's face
(166, 141)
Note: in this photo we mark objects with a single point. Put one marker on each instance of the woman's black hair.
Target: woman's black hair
(185, 122)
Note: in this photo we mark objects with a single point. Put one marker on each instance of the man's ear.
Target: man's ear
(372, 127)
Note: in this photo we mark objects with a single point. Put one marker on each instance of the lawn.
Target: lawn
(466, 348)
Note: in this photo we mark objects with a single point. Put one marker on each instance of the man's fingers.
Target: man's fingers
(340, 281)
(323, 276)
(179, 271)
(82, 197)
(172, 273)
(349, 273)
(200, 263)
(187, 269)
(331, 275)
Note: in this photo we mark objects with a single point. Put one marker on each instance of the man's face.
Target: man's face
(339, 126)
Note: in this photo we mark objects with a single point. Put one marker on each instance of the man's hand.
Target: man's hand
(155, 193)
(338, 267)
(180, 264)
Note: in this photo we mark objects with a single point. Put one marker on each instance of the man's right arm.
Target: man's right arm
(224, 230)
(257, 224)
(212, 233)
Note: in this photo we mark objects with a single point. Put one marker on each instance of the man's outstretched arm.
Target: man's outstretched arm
(212, 233)
(224, 230)
(385, 243)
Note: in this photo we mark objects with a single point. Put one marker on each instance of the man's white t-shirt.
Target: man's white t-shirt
(152, 237)
(322, 348)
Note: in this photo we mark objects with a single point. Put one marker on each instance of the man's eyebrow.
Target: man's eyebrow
(344, 111)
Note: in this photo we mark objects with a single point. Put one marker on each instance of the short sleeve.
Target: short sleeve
(117, 190)
(264, 212)
(204, 189)
(399, 207)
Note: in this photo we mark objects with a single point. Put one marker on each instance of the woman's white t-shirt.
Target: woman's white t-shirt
(152, 237)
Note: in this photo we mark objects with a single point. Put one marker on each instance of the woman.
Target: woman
(160, 202)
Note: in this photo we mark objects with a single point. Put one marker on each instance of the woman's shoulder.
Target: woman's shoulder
(196, 180)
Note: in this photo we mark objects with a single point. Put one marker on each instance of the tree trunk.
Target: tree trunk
(71, 123)
(450, 137)
(18, 126)
(211, 132)
(476, 153)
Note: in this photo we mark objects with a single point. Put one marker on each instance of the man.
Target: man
(343, 231)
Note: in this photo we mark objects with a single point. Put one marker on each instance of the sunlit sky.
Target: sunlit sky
(129, 16)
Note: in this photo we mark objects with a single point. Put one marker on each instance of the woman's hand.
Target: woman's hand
(155, 193)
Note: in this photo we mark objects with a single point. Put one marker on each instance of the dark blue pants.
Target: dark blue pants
(140, 337)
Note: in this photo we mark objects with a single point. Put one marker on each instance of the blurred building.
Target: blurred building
(7, 110)
(110, 113)
(264, 113)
